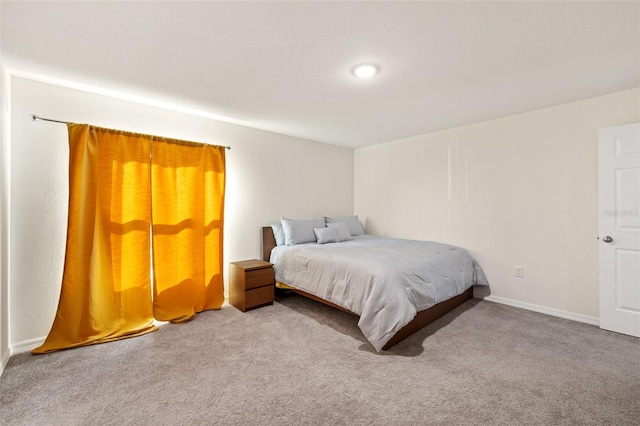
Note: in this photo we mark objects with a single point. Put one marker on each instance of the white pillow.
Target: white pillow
(298, 231)
(326, 235)
(278, 233)
(342, 230)
(355, 228)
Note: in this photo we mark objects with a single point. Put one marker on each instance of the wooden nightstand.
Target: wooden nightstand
(251, 284)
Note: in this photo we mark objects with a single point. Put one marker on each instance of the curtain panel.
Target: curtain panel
(188, 182)
(126, 190)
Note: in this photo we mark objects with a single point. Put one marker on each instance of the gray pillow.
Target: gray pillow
(355, 228)
(342, 230)
(298, 231)
(326, 235)
(278, 233)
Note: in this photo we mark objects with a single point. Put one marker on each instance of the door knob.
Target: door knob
(607, 239)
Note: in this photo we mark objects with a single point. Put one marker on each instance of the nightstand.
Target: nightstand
(251, 284)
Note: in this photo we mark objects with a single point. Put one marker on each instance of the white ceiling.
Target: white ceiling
(285, 66)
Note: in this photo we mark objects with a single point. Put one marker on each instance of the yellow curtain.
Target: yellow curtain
(106, 292)
(188, 184)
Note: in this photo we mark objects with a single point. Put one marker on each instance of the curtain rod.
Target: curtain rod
(35, 117)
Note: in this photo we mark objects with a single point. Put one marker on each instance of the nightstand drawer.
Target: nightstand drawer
(259, 277)
(259, 296)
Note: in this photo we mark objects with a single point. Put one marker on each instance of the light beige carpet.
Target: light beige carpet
(299, 362)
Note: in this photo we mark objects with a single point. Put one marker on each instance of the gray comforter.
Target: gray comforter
(384, 280)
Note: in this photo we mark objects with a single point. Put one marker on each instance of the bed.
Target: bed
(381, 280)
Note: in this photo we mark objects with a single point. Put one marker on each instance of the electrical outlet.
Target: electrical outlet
(519, 271)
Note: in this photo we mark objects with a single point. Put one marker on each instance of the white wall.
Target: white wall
(520, 190)
(4, 224)
(268, 175)
(5, 351)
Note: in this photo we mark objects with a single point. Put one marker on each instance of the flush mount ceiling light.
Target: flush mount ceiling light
(365, 70)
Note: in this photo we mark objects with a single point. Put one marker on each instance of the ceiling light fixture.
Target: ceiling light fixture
(365, 70)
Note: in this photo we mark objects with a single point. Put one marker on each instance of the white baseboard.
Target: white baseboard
(26, 345)
(481, 292)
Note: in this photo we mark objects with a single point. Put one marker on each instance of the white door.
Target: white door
(620, 229)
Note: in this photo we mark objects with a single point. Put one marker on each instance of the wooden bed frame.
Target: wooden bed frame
(421, 320)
